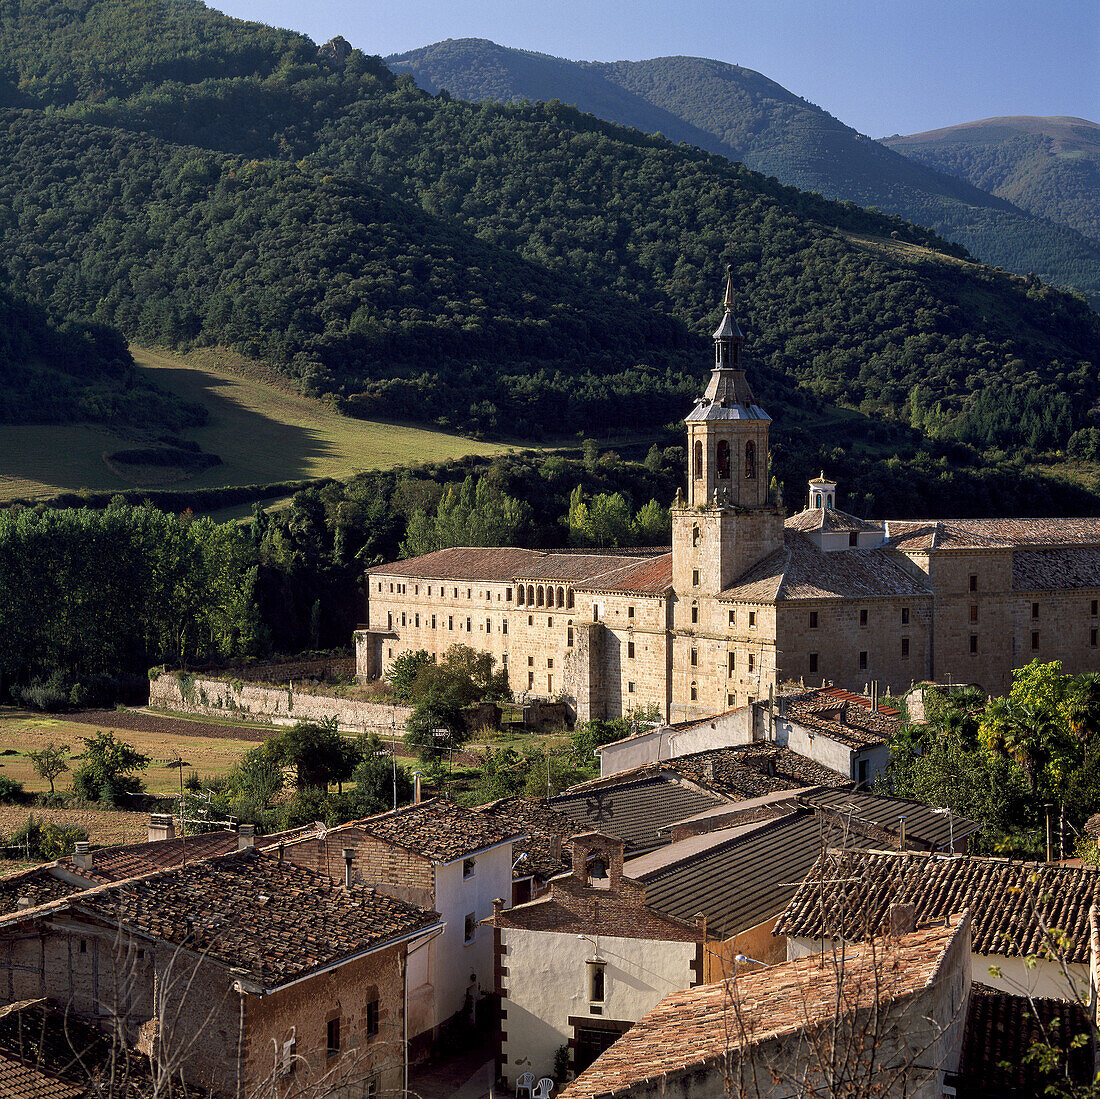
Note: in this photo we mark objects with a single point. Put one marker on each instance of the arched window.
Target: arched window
(723, 461)
(817, 499)
(569, 596)
(540, 596)
(530, 595)
(723, 352)
(698, 472)
(519, 596)
(695, 535)
(750, 461)
(561, 597)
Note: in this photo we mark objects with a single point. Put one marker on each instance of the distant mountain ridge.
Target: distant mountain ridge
(742, 114)
(1049, 166)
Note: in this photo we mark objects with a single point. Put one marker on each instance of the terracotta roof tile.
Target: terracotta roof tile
(829, 521)
(802, 571)
(438, 829)
(1055, 569)
(545, 829)
(652, 576)
(1004, 898)
(40, 886)
(692, 1029)
(923, 534)
(844, 717)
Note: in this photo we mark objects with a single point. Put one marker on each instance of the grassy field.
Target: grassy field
(259, 427)
(22, 732)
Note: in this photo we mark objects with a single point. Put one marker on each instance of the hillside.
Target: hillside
(520, 270)
(741, 114)
(1047, 166)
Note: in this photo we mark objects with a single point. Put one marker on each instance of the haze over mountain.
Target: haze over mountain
(741, 114)
(1047, 166)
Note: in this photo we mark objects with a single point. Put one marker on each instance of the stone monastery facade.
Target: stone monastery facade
(747, 597)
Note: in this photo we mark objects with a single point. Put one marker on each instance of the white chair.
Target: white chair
(524, 1084)
(543, 1088)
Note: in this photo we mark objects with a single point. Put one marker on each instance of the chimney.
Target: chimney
(161, 827)
(416, 788)
(349, 854)
(24, 902)
(246, 836)
(555, 846)
(498, 908)
(901, 845)
(82, 855)
(902, 919)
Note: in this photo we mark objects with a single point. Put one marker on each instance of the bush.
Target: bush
(10, 790)
(107, 773)
(45, 840)
(45, 694)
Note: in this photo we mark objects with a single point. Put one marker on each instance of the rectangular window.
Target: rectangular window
(813, 620)
(853, 538)
(549, 661)
(402, 618)
(333, 1038)
(1092, 638)
(694, 615)
(630, 688)
(389, 621)
(416, 589)
(488, 625)
(416, 621)
(630, 612)
(530, 681)
(504, 625)
(694, 578)
(1035, 639)
(469, 593)
(372, 1019)
(630, 650)
(752, 662)
(905, 616)
(596, 982)
(550, 684)
(504, 659)
(1095, 607)
(730, 700)
(470, 927)
(1034, 610)
(905, 646)
(973, 582)
(433, 621)
(450, 622)
(370, 1090)
(530, 620)
(569, 637)
(694, 693)
(694, 658)
(863, 618)
(730, 663)
(863, 660)
(973, 644)
(456, 593)
(752, 620)
(732, 618)
(813, 663)
(530, 662)
(974, 612)
(507, 595)
(549, 623)
(468, 868)
(467, 625)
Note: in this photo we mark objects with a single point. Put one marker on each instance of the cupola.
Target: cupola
(822, 492)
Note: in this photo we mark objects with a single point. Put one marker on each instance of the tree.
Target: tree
(318, 751)
(374, 777)
(108, 770)
(50, 762)
(404, 670)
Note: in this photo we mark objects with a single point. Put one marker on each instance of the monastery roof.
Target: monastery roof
(503, 564)
(1006, 898)
(544, 828)
(650, 576)
(842, 716)
(1000, 1026)
(689, 1030)
(925, 534)
(802, 571)
(725, 410)
(250, 911)
(828, 521)
(438, 829)
(738, 877)
(1055, 569)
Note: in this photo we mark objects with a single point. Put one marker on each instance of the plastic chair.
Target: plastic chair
(543, 1088)
(524, 1084)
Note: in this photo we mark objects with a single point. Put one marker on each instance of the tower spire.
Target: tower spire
(728, 385)
(729, 301)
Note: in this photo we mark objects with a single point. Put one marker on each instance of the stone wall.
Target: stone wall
(237, 700)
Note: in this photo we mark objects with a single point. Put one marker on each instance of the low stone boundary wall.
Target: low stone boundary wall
(232, 698)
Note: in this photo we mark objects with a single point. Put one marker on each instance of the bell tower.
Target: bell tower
(727, 522)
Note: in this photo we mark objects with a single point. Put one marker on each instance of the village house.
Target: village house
(887, 1019)
(848, 894)
(441, 857)
(240, 974)
(577, 967)
(748, 599)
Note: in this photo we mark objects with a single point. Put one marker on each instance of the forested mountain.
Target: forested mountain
(1047, 166)
(63, 370)
(741, 114)
(520, 269)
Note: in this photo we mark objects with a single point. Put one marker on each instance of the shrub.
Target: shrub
(43, 839)
(107, 772)
(10, 790)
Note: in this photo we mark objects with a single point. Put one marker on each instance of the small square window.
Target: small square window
(905, 646)
(905, 616)
(863, 660)
(468, 868)
(813, 663)
(470, 927)
(630, 688)
(694, 578)
(863, 617)
(1035, 639)
(333, 1037)
(973, 582)
(630, 612)
(813, 620)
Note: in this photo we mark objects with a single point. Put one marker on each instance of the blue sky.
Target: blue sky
(883, 66)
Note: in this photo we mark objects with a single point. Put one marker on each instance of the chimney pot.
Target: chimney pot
(416, 788)
(246, 836)
(902, 919)
(23, 902)
(82, 854)
(498, 906)
(162, 826)
(349, 854)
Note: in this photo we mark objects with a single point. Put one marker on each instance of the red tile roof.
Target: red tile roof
(829, 521)
(652, 576)
(845, 717)
(438, 829)
(699, 1028)
(924, 534)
